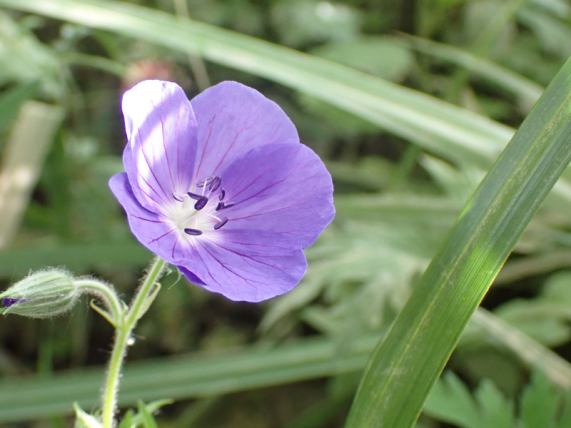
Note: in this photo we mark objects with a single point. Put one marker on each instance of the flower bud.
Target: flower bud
(42, 294)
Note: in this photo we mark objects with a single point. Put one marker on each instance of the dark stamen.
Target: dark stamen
(222, 206)
(178, 199)
(10, 301)
(204, 182)
(222, 194)
(193, 232)
(201, 203)
(220, 223)
(194, 196)
(214, 184)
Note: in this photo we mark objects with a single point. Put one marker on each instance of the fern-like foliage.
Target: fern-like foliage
(540, 405)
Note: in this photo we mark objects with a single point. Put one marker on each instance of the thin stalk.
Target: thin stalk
(196, 63)
(105, 293)
(125, 325)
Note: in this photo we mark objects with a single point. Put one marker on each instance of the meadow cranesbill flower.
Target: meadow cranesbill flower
(221, 187)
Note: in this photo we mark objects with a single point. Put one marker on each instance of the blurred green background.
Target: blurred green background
(403, 165)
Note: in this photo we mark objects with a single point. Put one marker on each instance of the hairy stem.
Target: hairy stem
(105, 293)
(125, 325)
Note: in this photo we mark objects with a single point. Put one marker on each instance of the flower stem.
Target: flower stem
(104, 292)
(126, 324)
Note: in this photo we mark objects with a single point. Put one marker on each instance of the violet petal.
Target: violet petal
(282, 188)
(161, 131)
(233, 119)
(148, 227)
(246, 277)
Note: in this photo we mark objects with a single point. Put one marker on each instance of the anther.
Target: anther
(214, 184)
(204, 182)
(193, 232)
(222, 194)
(194, 196)
(175, 197)
(222, 205)
(220, 223)
(201, 203)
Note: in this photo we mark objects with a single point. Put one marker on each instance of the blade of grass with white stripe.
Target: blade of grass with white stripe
(452, 132)
(404, 366)
(437, 126)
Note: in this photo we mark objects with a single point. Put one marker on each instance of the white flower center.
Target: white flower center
(195, 214)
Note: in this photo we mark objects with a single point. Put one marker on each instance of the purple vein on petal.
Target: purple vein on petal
(173, 248)
(247, 186)
(147, 219)
(251, 244)
(166, 152)
(227, 151)
(197, 171)
(251, 258)
(151, 188)
(269, 186)
(153, 172)
(264, 213)
(228, 269)
(206, 267)
(160, 237)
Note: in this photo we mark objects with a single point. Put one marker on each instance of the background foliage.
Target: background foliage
(403, 164)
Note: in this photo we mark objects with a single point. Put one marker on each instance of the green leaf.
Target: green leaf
(127, 421)
(83, 419)
(539, 403)
(450, 401)
(557, 369)
(496, 410)
(147, 417)
(11, 101)
(545, 317)
(26, 60)
(406, 364)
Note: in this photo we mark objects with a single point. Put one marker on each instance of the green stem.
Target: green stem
(126, 324)
(104, 292)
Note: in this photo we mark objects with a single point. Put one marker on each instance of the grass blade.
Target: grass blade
(196, 376)
(406, 364)
(184, 376)
(527, 90)
(452, 132)
(23, 159)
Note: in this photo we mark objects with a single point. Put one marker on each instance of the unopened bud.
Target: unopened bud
(42, 294)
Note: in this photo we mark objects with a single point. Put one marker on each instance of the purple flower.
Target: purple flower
(221, 187)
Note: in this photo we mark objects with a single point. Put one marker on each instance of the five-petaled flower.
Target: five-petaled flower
(221, 187)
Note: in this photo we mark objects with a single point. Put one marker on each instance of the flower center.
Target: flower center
(199, 212)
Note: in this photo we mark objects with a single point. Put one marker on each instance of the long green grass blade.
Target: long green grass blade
(527, 90)
(17, 262)
(184, 377)
(195, 376)
(406, 364)
(452, 132)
